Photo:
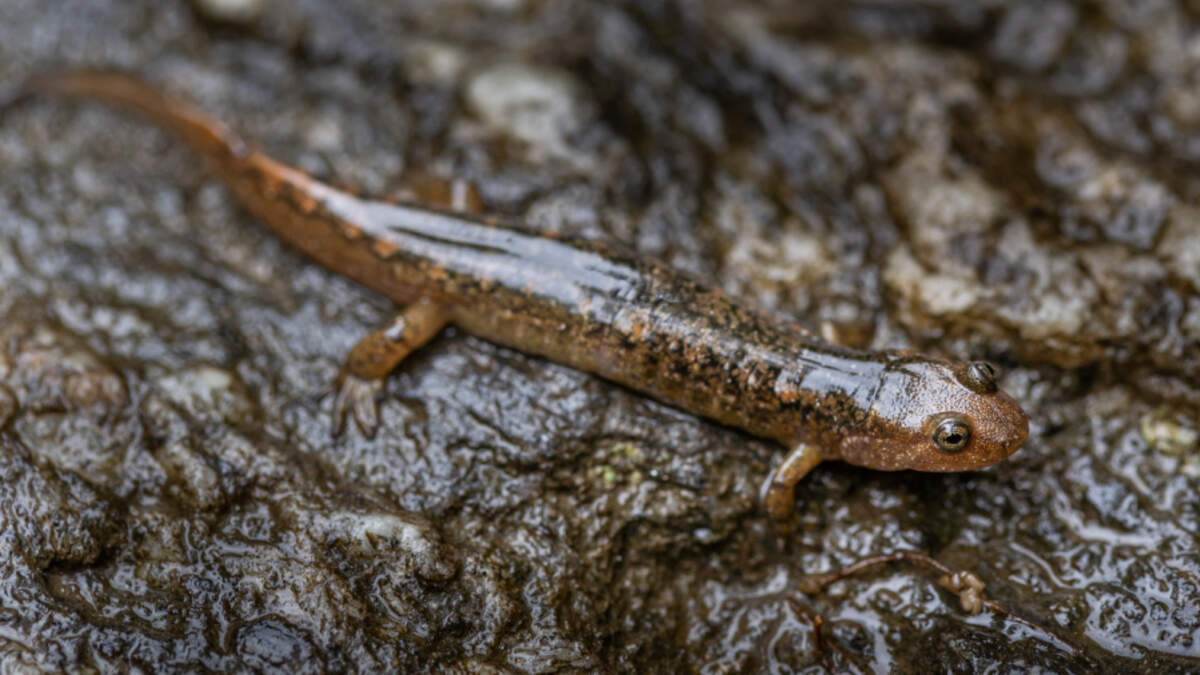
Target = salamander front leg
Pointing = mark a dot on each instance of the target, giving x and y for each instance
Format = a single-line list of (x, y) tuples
[(361, 380), (778, 495)]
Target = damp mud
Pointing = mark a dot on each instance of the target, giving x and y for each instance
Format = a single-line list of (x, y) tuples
[(1014, 182)]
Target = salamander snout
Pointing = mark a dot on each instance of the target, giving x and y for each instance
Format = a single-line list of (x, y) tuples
[(937, 416), (987, 427)]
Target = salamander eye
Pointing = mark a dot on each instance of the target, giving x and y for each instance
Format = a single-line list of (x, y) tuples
[(952, 434), (980, 377)]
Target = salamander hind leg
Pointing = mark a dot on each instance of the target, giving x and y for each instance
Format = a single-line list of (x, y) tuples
[(361, 380), (778, 494)]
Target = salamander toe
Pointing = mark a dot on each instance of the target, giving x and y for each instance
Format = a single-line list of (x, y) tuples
[(358, 397)]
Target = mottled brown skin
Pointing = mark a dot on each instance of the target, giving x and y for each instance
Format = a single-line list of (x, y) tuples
[(599, 308)]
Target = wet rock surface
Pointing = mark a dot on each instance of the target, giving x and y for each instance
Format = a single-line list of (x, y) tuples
[(1009, 181)]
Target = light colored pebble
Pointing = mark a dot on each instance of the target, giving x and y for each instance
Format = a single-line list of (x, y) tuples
[(1167, 431), (434, 63), (534, 105), (207, 391)]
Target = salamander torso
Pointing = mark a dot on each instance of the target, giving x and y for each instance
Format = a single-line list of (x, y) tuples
[(599, 308)]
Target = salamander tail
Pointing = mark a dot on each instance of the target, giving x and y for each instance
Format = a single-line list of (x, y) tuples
[(209, 137)]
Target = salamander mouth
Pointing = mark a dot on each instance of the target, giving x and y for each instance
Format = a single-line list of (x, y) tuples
[(1006, 411)]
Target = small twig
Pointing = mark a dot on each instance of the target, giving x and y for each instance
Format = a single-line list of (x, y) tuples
[(822, 643), (964, 584), (1002, 611), (817, 582), (817, 622)]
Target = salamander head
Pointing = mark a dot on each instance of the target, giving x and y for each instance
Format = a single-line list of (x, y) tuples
[(937, 416)]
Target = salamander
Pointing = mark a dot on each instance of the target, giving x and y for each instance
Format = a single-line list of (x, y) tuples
[(597, 307)]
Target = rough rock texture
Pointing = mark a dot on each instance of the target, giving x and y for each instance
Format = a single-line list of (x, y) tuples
[(1014, 181)]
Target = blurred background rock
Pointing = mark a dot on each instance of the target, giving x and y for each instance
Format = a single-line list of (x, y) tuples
[(1012, 181)]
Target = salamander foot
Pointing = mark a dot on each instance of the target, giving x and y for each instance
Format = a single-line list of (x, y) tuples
[(361, 398)]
